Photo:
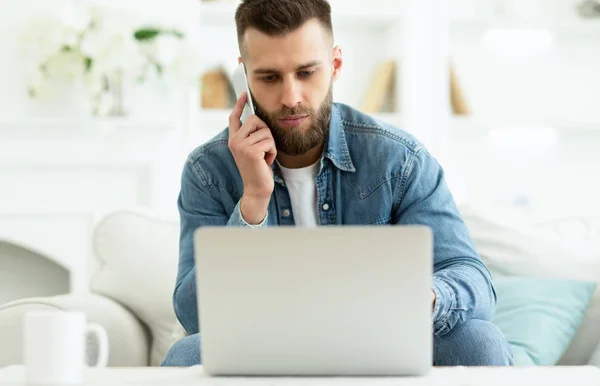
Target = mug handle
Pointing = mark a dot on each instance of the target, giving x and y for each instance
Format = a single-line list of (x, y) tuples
[(102, 338)]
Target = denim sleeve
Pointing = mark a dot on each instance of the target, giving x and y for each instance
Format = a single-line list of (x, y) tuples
[(198, 206), (461, 282)]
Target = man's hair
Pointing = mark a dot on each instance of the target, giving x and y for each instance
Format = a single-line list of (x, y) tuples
[(280, 17)]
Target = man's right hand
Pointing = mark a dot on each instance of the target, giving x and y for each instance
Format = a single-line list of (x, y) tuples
[(254, 151)]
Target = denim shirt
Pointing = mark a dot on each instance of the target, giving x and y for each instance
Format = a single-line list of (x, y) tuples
[(371, 173)]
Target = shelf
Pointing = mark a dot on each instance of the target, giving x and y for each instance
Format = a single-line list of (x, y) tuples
[(218, 119), (223, 15), (576, 27), (88, 127)]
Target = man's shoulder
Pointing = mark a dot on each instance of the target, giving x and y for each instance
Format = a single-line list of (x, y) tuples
[(362, 128), (213, 160), (217, 146)]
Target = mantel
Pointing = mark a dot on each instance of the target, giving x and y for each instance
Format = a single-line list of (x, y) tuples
[(85, 128)]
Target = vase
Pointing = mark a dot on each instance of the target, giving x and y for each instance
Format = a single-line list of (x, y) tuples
[(117, 92), (114, 99)]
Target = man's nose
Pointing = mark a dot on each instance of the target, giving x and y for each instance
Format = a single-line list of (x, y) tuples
[(291, 93)]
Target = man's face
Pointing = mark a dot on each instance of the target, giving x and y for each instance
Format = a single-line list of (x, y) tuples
[(291, 79)]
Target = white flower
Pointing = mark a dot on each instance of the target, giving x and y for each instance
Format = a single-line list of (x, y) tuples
[(45, 37), (76, 17), (113, 51), (187, 67), (167, 49), (66, 64), (115, 21), (92, 44)]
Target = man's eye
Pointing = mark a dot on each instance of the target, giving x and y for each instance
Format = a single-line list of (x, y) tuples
[(305, 74), (269, 78)]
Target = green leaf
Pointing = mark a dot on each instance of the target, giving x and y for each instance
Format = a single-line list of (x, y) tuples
[(146, 34), (175, 33), (149, 33), (88, 63)]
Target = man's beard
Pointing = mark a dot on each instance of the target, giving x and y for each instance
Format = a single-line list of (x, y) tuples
[(294, 140)]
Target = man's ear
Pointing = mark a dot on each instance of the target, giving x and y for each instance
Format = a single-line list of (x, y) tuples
[(239, 59), (337, 62)]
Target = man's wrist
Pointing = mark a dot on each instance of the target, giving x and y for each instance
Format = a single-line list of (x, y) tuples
[(253, 209)]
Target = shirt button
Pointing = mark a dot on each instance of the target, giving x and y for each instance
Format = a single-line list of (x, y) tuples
[(326, 207), (286, 213)]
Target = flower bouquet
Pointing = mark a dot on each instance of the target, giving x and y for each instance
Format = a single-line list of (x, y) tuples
[(100, 52)]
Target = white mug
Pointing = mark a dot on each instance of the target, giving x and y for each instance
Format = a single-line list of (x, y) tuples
[(55, 346)]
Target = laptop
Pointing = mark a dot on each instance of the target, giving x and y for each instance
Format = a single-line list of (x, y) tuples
[(325, 301)]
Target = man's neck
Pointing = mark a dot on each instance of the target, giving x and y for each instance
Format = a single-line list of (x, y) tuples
[(302, 160)]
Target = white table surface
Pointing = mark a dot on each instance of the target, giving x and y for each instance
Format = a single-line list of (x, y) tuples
[(451, 376)]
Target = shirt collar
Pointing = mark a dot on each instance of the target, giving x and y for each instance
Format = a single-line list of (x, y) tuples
[(337, 147)]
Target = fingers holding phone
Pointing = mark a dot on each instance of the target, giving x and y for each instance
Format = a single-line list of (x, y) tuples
[(251, 140), (263, 141), (236, 114), (254, 151)]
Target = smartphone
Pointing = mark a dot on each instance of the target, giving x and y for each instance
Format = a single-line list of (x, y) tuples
[(240, 84)]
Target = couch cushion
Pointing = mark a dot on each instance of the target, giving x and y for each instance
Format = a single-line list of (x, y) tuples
[(137, 255), (519, 242), (539, 316)]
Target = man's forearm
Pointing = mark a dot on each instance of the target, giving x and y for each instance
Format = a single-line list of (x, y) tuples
[(184, 297), (185, 303)]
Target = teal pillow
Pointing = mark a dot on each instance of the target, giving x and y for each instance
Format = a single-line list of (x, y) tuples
[(539, 316)]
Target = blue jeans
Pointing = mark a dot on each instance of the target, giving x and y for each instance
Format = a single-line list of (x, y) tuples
[(474, 343)]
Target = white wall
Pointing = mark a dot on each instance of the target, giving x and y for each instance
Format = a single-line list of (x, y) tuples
[(561, 84), (557, 89)]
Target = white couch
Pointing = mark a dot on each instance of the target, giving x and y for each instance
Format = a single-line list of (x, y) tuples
[(137, 256), (131, 291)]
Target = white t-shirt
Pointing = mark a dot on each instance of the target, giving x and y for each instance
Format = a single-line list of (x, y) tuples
[(302, 186)]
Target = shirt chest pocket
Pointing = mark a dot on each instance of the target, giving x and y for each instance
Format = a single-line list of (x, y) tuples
[(369, 202)]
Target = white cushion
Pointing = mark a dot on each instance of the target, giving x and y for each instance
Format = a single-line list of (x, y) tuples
[(138, 257), (519, 242)]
